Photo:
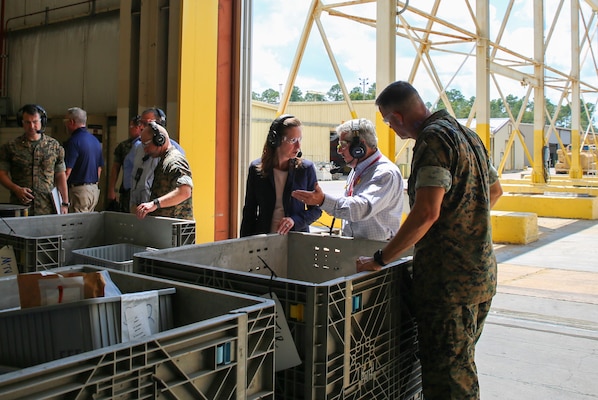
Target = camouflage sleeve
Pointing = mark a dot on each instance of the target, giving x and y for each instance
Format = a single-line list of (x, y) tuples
[(184, 173), (59, 166), (433, 176), (433, 159), (492, 173), (184, 180)]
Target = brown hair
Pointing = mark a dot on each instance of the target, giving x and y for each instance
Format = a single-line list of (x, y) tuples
[(269, 155)]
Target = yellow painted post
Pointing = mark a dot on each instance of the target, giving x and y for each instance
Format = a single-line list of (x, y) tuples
[(197, 106)]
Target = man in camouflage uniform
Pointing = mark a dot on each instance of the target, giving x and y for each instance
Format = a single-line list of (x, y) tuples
[(120, 154), (33, 164), (172, 185), (451, 190)]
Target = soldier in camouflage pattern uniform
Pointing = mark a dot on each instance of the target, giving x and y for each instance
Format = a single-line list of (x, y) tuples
[(32, 164), (120, 154), (451, 190), (172, 186)]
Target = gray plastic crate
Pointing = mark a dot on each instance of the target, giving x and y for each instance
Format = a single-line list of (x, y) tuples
[(220, 346), (347, 326), (47, 241), (117, 256), (37, 335)]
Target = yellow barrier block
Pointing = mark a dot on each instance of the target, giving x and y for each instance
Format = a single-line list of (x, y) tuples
[(326, 219), (514, 227), (554, 205)]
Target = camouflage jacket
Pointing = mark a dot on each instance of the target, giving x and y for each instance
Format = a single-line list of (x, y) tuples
[(171, 172), (454, 262), (33, 165)]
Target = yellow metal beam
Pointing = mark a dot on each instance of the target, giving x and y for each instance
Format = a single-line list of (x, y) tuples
[(197, 91), (385, 68)]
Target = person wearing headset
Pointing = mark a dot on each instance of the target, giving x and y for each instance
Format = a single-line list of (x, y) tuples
[(372, 205), (33, 164), (172, 185), (269, 207), (139, 167)]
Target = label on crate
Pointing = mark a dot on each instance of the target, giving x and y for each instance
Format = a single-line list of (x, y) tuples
[(140, 315), (286, 354), (9, 262)]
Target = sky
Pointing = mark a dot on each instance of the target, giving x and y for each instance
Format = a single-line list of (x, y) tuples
[(277, 26)]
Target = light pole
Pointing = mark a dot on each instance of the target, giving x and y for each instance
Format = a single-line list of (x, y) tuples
[(364, 81)]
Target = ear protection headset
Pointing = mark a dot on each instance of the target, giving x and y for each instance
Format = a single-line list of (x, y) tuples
[(161, 117), (158, 137), (32, 108), (275, 134), (356, 149)]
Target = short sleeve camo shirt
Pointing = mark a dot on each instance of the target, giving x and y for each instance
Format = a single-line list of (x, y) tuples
[(33, 165), (171, 172), (454, 262)]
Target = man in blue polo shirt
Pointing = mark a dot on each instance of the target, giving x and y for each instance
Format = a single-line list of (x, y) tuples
[(84, 162)]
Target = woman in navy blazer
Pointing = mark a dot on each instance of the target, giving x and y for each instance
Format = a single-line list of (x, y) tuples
[(269, 207)]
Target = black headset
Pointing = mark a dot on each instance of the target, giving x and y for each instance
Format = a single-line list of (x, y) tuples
[(32, 109), (158, 113), (158, 137), (161, 116), (274, 136), (356, 149)]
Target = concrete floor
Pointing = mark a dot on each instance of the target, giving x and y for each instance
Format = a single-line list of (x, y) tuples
[(541, 340)]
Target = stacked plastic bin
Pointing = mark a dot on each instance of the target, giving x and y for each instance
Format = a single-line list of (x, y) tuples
[(211, 345), (355, 338), (44, 242)]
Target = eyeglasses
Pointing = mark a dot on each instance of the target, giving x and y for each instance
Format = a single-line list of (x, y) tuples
[(342, 145), (145, 122), (145, 144), (292, 140)]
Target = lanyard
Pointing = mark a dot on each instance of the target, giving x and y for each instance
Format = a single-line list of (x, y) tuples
[(357, 179)]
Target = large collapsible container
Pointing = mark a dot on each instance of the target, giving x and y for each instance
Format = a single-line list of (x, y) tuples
[(117, 256), (47, 241), (347, 326), (216, 345)]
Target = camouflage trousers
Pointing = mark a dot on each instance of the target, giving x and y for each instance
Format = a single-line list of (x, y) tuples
[(447, 339)]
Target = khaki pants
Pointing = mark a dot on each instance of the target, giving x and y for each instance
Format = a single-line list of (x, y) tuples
[(84, 198)]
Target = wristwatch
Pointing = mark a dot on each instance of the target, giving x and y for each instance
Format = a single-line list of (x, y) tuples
[(378, 258), (157, 202), (66, 204)]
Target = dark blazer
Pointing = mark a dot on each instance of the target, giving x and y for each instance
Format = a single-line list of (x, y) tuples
[(260, 198)]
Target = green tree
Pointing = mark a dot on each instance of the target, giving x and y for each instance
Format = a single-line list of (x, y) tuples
[(497, 109), (371, 93), (335, 93), (270, 96), (356, 93), (461, 106), (296, 94), (255, 96), (313, 96)]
